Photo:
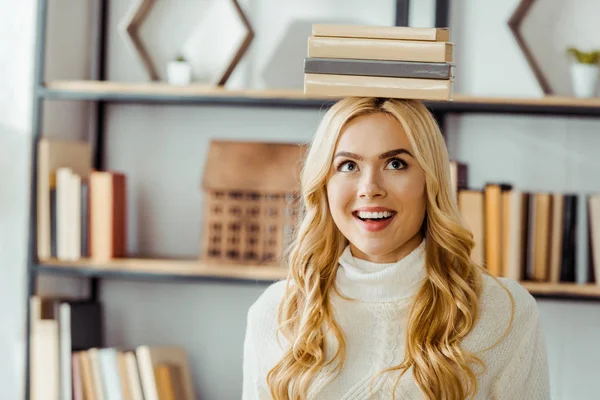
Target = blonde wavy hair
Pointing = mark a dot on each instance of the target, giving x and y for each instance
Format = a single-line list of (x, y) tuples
[(442, 313)]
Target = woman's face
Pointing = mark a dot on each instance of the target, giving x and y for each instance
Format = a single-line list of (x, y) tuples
[(376, 189)]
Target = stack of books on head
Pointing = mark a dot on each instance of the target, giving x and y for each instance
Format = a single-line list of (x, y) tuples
[(379, 61)]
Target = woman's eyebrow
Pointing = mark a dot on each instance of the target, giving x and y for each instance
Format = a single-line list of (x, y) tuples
[(387, 154), (348, 154), (395, 152)]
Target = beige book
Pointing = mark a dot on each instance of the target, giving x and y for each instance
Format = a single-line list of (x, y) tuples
[(471, 209), (44, 353), (556, 221), (87, 376), (108, 219), (377, 86), (379, 49), (594, 216), (150, 356), (53, 154), (493, 229), (165, 385), (515, 240), (133, 376), (382, 32), (123, 376), (505, 230), (541, 242), (96, 374)]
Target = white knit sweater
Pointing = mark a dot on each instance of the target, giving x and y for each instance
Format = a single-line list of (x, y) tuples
[(375, 327)]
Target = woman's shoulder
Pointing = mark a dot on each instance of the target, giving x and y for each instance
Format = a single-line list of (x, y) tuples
[(262, 324), (495, 297), (264, 309), (496, 308)]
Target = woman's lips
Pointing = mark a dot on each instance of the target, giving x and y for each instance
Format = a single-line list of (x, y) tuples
[(374, 225)]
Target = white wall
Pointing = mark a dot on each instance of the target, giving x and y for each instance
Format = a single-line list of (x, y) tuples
[(162, 149), (16, 73)]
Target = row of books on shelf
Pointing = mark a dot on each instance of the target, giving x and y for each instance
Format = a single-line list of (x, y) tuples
[(533, 235), (393, 61), (81, 212), (68, 360)]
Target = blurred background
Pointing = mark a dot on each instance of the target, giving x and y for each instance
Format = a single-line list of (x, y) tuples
[(526, 113)]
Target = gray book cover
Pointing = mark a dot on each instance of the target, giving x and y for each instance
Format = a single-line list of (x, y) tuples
[(394, 69), (581, 252)]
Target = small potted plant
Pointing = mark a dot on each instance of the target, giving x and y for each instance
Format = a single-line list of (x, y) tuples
[(584, 71), (179, 71)]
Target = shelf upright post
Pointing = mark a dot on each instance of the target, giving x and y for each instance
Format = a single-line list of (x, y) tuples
[(442, 19), (98, 72), (36, 131), (402, 8)]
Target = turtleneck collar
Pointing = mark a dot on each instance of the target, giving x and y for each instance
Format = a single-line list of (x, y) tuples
[(375, 282)]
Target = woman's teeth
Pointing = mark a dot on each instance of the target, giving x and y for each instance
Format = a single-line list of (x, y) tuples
[(374, 215)]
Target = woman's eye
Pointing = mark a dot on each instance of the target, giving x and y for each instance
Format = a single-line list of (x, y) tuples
[(347, 166), (396, 163)]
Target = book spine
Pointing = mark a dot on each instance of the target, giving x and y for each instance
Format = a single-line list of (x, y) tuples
[(85, 218), (379, 49), (397, 69), (53, 226), (382, 32), (582, 242), (347, 85), (567, 272)]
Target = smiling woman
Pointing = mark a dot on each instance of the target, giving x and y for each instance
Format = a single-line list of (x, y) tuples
[(382, 298), (376, 190)]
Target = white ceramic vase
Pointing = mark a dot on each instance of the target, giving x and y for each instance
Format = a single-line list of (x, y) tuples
[(179, 73), (585, 79)]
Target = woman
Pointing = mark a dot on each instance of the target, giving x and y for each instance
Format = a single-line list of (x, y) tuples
[(382, 300)]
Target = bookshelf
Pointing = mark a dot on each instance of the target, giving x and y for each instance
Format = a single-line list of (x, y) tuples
[(563, 290), (162, 93), (164, 270), (103, 92), (189, 271)]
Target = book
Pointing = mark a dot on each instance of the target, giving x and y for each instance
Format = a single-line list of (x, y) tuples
[(594, 212), (108, 214), (149, 357), (459, 175), (383, 32), (44, 382), (379, 49), (398, 69), (472, 211), (493, 228), (567, 271), (133, 376), (347, 85), (556, 237), (515, 238), (582, 243), (52, 155), (541, 234)]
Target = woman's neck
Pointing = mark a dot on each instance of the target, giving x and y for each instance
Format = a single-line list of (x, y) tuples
[(393, 256)]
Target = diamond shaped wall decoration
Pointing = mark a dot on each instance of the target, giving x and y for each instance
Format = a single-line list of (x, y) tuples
[(218, 43), (514, 23), (213, 50), (129, 32)]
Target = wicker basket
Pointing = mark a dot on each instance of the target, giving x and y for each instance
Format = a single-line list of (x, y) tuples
[(250, 201)]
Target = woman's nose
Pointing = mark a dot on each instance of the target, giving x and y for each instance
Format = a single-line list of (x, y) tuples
[(370, 187)]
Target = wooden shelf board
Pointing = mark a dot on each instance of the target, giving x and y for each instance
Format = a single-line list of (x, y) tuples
[(162, 269), (167, 89), (190, 270), (562, 289), (199, 93)]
